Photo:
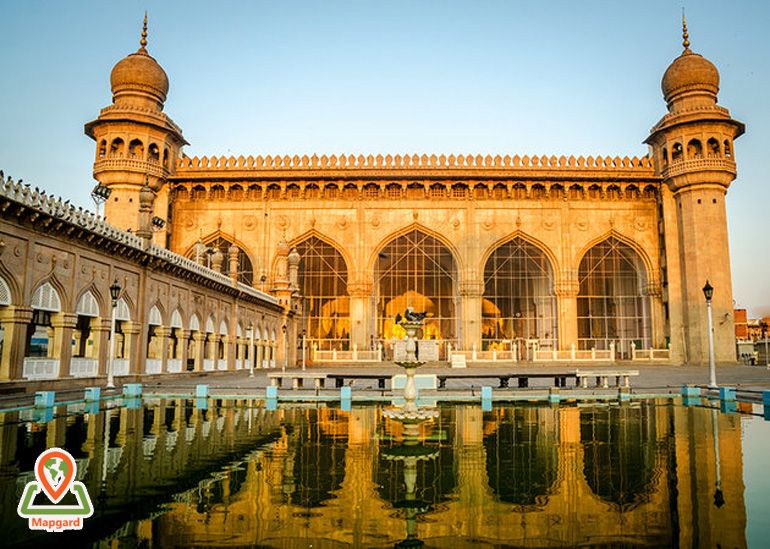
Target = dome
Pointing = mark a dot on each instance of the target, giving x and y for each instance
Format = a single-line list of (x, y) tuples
[(139, 72), (690, 72)]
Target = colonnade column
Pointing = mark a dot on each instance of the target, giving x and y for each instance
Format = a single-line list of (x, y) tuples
[(100, 327), (199, 346), (63, 324), (360, 305), (181, 347), (470, 312), (132, 350), (163, 333), (566, 298), (657, 315), (15, 322), (228, 343)]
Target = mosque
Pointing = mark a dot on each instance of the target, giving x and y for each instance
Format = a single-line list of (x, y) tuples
[(524, 254)]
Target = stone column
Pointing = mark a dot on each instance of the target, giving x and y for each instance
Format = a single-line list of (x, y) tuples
[(181, 350), (657, 315), (100, 327), (229, 348), (213, 348), (232, 255), (470, 303), (199, 347), (360, 301), (63, 324), (132, 349), (163, 333), (15, 322), (566, 291)]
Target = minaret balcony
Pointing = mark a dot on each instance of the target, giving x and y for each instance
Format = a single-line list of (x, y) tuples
[(680, 167), (118, 163)]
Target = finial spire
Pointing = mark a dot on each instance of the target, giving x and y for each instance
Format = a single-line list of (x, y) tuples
[(143, 41), (685, 36)]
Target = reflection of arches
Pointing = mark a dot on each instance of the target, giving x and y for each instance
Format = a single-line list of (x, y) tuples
[(416, 269), (518, 295), (612, 305), (323, 283), (522, 456), (619, 453)]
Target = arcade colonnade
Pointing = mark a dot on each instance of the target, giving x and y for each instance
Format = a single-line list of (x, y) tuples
[(520, 290)]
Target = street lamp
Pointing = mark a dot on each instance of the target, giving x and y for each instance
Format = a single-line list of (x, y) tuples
[(303, 349), (252, 354), (708, 292), (114, 295), (285, 348), (765, 337), (99, 194)]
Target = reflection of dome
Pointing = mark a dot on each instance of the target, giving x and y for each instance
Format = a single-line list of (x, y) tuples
[(139, 74)]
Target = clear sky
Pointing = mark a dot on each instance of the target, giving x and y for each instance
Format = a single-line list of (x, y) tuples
[(507, 77)]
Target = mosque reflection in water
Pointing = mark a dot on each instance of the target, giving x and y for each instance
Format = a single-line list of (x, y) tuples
[(171, 474)]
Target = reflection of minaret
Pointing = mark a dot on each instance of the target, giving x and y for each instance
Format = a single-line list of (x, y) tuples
[(719, 498), (470, 456), (358, 485)]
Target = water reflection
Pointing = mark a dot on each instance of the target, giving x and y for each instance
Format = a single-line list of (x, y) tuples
[(172, 474)]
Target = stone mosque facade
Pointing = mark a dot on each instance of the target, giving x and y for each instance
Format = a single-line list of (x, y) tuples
[(528, 253)]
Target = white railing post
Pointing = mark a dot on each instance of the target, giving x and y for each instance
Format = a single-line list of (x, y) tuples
[(515, 351), (473, 353), (612, 351), (355, 352), (449, 352), (593, 353), (652, 349), (633, 351), (334, 355), (494, 355), (555, 354), (379, 352), (572, 351), (315, 350)]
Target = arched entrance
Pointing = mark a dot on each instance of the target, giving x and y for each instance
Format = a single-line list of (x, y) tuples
[(416, 270), (612, 305)]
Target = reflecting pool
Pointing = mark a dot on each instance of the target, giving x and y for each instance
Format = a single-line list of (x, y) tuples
[(230, 473)]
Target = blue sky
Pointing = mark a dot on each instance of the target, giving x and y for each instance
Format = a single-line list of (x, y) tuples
[(560, 77)]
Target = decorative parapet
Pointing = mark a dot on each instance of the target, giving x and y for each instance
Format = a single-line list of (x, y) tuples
[(148, 167), (447, 163), (44, 204)]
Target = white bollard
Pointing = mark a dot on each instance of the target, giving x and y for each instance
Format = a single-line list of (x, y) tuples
[(473, 353)]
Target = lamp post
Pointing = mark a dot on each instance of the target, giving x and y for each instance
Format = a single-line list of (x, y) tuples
[(764, 337), (303, 350), (99, 194), (708, 292), (252, 354), (114, 295), (285, 348)]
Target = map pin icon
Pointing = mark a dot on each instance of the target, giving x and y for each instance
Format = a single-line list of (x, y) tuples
[(55, 469)]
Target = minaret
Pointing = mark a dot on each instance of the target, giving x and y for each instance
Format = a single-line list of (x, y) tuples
[(693, 150), (135, 140)]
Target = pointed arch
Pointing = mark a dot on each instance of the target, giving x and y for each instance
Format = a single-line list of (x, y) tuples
[(419, 270), (5, 292), (210, 324), (223, 327), (195, 323), (176, 319), (649, 269), (294, 242), (372, 261), (222, 240), (542, 246), (11, 285), (122, 310), (323, 281), (88, 304), (47, 297), (154, 316)]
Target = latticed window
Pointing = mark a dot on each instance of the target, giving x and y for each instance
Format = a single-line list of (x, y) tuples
[(236, 192), (393, 191), (245, 269), (217, 192), (416, 270), (350, 192), (331, 191), (437, 191), (518, 301), (274, 192), (293, 191), (459, 191), (611, 301), (312, 191), (371, 191), (254, 192), (323, 281)]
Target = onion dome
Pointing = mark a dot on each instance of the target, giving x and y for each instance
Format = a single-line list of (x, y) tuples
[(294, 258), (139, 77), (690, 72)]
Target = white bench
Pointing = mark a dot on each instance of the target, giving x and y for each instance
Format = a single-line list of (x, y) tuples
[(297, 379), (602, 377)]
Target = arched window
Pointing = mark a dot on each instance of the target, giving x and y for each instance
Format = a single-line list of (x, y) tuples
[(293, 191), (694, 149), (102, 151), (712, 146), (136, 149), (165, 158), (180, 193), (459, 190), (519, 191), (350, 192), (437, 190), (676, 152), (665, 156), (217, 192), (116, 147), (153, 153), (199, 192), (45, 301), (371, 190), (518, 301), (236, 192), (538, 191), (575, 192), (254, 192), (312, 191), (611, 303), (83, 344), (323, 282), (499, 192), (393, 191), (274, 191), (416, 270), (728, 149), (245, 268)]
